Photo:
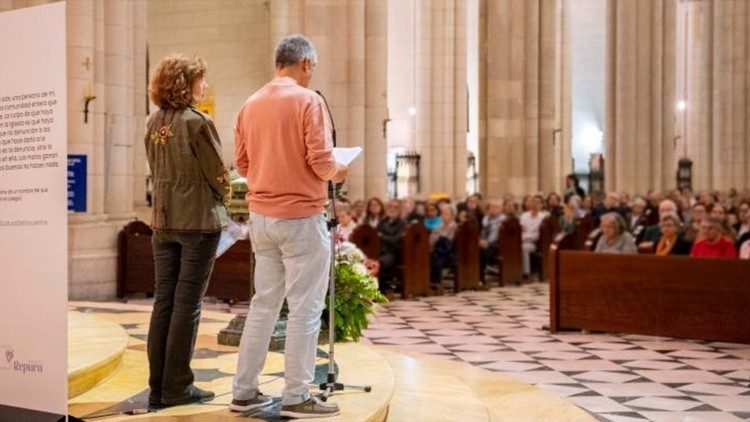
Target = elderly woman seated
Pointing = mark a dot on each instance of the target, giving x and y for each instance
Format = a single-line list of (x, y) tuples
[(672, 242), (615, 238)]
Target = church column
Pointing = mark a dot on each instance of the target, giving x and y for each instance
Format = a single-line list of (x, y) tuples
[(376, 99), (521, 42), (640, 95)]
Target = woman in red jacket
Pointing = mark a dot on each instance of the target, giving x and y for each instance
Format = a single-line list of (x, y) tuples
[(714, 244)]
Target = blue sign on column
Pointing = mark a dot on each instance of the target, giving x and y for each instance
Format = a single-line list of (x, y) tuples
[(77, 183)]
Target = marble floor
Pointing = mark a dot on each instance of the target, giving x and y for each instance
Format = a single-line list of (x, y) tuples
[(614, 377)]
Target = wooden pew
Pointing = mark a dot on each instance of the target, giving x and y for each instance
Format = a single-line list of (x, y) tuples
[(670, 296), (547, 231), (415, 253), (583, 228), (509, 245), (366, 238), (231, 278), (466, 242)]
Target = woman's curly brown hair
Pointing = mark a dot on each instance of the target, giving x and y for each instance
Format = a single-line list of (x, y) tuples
[(172, 81)]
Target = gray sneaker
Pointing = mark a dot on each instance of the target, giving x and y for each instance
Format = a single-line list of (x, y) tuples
[(312, 408), (256, 402)]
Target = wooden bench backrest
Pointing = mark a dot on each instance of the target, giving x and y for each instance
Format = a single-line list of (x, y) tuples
[(583, 228), (367, 240), (415, 250), (671, 296), (466, 243), (547, 231), (509, 245)]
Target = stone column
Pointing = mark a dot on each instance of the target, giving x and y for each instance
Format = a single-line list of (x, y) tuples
[(521, 42), (641, 101), (441, 91), (376, 97)]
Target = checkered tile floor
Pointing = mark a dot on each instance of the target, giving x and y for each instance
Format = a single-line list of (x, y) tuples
[(615, 377)]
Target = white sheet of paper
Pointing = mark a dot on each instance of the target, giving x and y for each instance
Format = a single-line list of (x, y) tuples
[(346, 155), (230, 236)]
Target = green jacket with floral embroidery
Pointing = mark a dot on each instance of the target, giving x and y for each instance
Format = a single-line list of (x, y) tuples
[(190, 182)]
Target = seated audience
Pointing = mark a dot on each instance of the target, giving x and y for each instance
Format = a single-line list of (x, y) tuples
[(511, 208), (652, 233), (530, 221), (587, 204), (432, 219), (443, 254), (571, 214), (358, 210), (672, 242), (472, 207), (374, 212), (615, 238), (491, 224), (719, 212), (390, 230), (611, 204), (346, 222), (418, 213), (713, 244), (553, 205), (636, 217), (693, 230)]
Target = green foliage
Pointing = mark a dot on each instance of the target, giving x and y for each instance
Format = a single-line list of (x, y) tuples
[(356, 293)]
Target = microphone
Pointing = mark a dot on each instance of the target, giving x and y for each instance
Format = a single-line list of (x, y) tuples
[(330, 116)]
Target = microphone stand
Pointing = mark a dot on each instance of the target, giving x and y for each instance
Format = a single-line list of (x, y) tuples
[(331, 385)]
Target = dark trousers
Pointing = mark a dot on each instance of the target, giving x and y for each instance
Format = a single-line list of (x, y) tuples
[(488, 256), (183, 263), (387, 273), (443, 256)]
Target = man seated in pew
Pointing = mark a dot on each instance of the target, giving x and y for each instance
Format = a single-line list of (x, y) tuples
[(713, 244), (692, 231), (390, 229), (672, 242), (653, 233), (530, 221), (636, 217), (611, 204), (491, 224), (442, 252), (346, 222), (615, 238)]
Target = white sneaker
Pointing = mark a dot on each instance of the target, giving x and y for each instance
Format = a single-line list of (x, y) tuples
[(312, 408)]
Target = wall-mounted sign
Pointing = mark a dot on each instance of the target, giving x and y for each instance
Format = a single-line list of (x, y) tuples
[(77, 183)]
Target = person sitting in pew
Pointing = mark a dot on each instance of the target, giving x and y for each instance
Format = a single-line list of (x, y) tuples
[(615, 238), (743, 219), (442, 252), (637, 211), (374, 212), (653, 233), (719, 212), (390, 230), (346, 222), (531, 221), (571, 214), (491, 224), (713, 244), (672, 242), (432, 219), (693, 231), (745, 250)]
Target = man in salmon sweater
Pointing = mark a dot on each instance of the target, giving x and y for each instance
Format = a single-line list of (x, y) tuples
[(284, 149)]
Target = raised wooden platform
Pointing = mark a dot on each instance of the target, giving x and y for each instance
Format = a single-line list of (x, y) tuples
[(95, 350)]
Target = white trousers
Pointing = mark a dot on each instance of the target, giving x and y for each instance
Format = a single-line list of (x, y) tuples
[(292, 260), (527, 250)]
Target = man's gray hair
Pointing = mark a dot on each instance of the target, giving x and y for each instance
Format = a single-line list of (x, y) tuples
[(294, 48)]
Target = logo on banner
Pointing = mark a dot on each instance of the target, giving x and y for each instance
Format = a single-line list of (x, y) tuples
[(9, 362)]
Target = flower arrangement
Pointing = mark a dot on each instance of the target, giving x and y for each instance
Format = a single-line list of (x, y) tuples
[(356, 293)]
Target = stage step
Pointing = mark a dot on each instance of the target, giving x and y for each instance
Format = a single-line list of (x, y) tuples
[(95, 350), (436, 389)]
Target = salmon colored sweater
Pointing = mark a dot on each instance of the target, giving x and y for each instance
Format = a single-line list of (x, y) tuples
[(284, 149)]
